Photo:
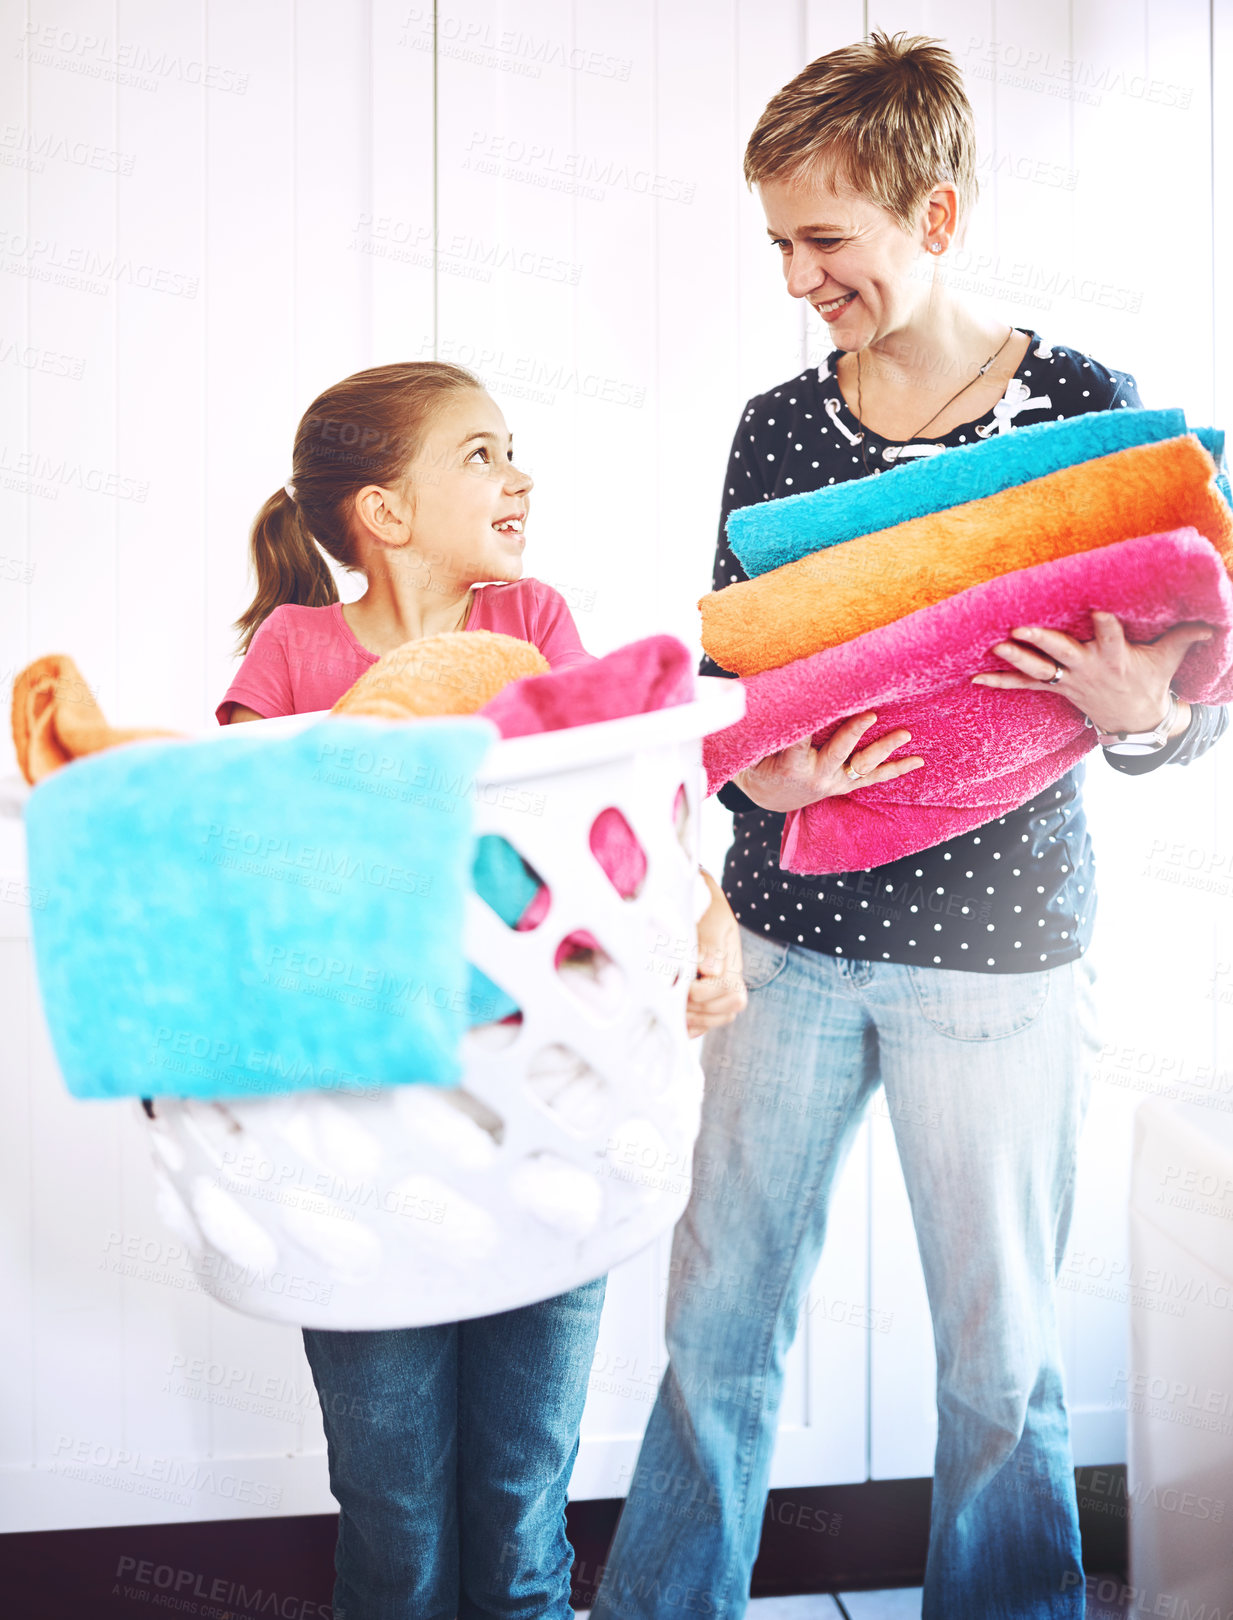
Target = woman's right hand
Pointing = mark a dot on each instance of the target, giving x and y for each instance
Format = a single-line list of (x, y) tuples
[(802, 774)]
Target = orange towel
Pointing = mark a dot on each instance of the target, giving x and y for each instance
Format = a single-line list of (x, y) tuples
[(56, 718), (846, 590), (453, 673)]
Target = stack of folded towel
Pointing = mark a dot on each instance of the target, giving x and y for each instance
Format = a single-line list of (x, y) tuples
[(887, 594)]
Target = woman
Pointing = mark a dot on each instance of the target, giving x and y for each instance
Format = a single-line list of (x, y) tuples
[(956, 977)]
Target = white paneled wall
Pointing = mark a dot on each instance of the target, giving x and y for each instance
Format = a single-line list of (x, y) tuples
[(211, 211)]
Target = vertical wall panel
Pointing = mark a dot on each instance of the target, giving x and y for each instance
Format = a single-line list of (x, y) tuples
[(160, 376), (258, 182), (392, 227), (591, 399), (1140, 107), (967, 28), (161, 571), (611, 523), (770, 50), (333, 174), (75, 273), (20, 357), (17, 1184), (248, 220)]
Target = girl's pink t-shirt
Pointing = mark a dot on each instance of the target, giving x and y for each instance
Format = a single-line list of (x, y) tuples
[(303, 658)]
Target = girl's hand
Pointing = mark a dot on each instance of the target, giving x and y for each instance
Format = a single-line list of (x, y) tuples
[(1120, 685), (802, 774), (717, 994)]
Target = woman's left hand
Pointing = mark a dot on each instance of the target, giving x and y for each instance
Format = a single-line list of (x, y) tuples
[(718, 993), (1120, 685)]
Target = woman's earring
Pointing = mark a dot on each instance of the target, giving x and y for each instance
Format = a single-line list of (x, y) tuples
[(936, 247)]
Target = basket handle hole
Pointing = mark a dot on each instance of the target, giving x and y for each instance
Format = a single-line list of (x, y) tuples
[(508, 882), (566, 1083), (587, 971), (615, 846), (495, 1017), (466, 1102)]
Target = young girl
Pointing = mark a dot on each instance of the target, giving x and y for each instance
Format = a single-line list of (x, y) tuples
[(450, 1447)]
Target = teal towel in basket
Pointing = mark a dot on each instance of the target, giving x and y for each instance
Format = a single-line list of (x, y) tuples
[(772, 533), (500, 877), (254, 914)]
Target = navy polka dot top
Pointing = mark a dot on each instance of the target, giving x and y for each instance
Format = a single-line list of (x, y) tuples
[(1015, 895)]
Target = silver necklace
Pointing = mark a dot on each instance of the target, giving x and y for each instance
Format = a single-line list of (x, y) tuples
[(980, 373)]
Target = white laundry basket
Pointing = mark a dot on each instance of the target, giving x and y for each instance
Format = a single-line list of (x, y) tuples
[(567, 1146)]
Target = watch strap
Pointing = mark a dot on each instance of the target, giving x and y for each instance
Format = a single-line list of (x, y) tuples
[(1140, 741)]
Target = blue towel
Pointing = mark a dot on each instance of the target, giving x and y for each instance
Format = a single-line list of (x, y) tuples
[(256, 915), (503, 879), (776, 532), (1212, 440)]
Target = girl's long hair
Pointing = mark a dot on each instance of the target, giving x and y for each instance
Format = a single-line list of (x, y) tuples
[(365, 430)]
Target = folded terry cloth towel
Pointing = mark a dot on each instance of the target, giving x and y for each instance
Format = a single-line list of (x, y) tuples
[(846, 590), (772, 533), (655, 673), (456, 672), (986, 750), (256, 914)]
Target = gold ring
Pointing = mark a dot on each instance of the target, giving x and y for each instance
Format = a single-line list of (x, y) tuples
[(1058, 672), (851, 772)]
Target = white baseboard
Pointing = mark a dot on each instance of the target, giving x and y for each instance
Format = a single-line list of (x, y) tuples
[(132, 1488)]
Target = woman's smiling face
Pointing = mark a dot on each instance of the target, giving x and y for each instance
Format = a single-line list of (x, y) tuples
[(849, 258)]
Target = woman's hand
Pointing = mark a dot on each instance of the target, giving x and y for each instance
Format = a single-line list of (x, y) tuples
[(717, 994), (802, 774), (1120, 685)]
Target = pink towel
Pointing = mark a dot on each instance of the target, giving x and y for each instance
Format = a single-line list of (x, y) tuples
[(986, 751), (656, 673)]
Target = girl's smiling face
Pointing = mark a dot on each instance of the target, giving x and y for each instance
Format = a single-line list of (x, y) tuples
[(461, 506), (850, 258)]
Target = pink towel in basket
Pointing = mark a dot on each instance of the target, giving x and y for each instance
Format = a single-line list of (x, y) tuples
[(986, 751), (655, 673)]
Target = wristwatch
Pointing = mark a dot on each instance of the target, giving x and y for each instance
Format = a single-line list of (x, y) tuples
[(1138, 742)]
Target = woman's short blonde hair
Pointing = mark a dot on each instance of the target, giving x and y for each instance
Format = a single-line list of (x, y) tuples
[(887, 117)]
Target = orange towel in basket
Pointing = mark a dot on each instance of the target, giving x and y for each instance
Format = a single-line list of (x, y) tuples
[(455, 672), (56, 718), (841, 592)]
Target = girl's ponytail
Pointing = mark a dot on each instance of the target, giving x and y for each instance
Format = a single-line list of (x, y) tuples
[(287, 563), (365, 430)]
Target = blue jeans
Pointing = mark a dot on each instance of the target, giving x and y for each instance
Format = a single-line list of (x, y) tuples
[(450, 1452), (1002, 1059)]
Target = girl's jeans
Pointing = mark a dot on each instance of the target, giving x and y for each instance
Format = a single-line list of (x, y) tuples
[(986, 1078), (450, 1451)]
